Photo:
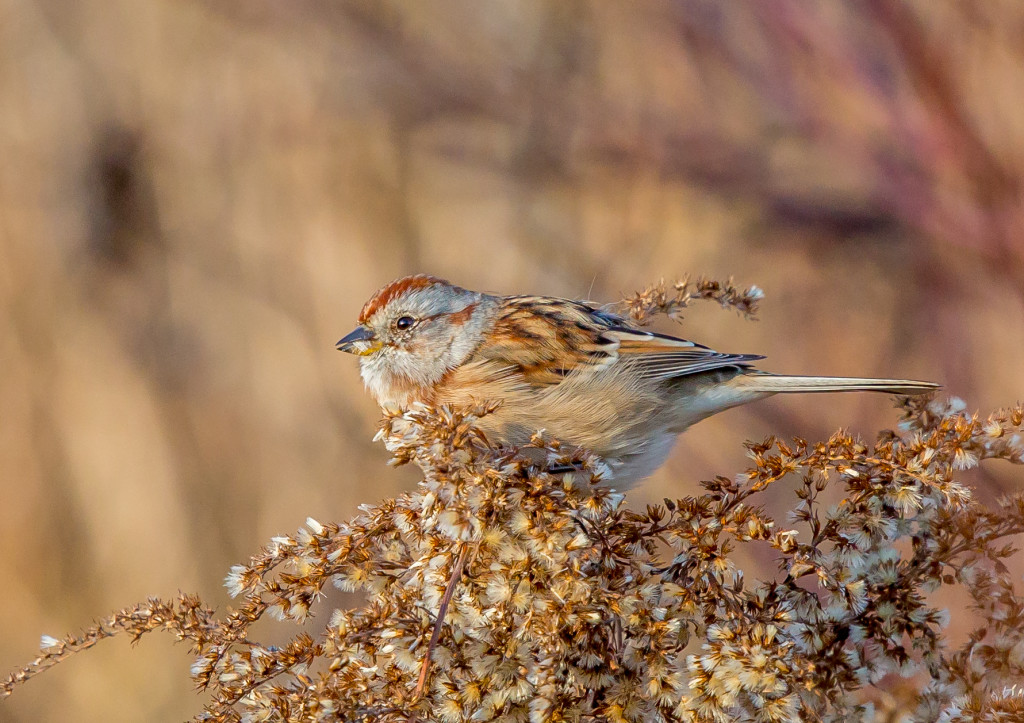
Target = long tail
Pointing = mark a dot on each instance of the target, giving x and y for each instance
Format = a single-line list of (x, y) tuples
[(780, 384)]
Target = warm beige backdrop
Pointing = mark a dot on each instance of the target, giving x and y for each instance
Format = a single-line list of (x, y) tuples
[(196, 197)]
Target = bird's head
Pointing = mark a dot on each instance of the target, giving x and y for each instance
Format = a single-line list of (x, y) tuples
[(414, 331)]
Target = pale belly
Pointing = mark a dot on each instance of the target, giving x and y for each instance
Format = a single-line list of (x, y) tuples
[(631, 423)]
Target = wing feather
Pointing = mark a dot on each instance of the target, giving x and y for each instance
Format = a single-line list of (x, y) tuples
[(546, 339), (664, 357)]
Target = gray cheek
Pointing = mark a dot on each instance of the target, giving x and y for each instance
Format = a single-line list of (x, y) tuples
[(433, 345)]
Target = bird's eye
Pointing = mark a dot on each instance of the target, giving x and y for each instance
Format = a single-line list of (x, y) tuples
[(404, 322)]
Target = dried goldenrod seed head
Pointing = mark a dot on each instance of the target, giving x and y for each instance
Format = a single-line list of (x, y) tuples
[(499, 591)]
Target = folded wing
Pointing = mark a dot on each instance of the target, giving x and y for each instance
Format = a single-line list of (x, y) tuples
[(665, 357), (546, 339)]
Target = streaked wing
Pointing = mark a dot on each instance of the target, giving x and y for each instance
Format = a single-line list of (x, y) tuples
[(545, 339), (664, 357)]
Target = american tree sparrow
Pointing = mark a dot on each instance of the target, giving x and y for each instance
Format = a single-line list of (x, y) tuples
[(588, 377)]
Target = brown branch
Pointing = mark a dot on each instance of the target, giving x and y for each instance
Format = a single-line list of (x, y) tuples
[(441, 612)]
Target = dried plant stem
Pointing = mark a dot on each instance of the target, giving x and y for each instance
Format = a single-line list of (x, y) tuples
[(660, 299), (186, 617), (45, 662), (643, 615), (441, 612)]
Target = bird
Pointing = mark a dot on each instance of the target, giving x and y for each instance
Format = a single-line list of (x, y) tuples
[(584, 375)]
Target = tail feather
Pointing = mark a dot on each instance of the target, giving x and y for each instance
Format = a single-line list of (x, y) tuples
[(781, 384)]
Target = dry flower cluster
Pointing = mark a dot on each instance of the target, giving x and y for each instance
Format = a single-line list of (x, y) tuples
[(500, 591), (657, 299)]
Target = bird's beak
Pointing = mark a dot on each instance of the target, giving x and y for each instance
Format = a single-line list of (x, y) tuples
[(361, 341)]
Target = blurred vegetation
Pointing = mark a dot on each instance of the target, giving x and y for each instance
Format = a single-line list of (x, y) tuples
[(196, 198)]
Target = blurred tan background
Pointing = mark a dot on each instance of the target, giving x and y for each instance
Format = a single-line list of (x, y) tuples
[(196, 198)]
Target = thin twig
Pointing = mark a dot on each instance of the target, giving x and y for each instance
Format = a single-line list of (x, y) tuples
[(441, 612)]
